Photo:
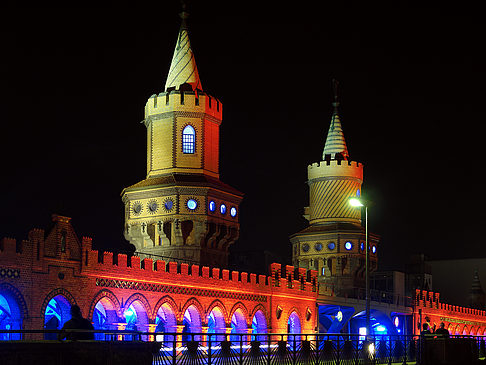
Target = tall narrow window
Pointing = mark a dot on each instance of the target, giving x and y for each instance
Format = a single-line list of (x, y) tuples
[(188, 140)]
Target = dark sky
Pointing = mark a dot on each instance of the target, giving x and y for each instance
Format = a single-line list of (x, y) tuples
[(412, 88)]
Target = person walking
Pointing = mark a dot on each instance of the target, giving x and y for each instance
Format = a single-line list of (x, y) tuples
[(77, 322)]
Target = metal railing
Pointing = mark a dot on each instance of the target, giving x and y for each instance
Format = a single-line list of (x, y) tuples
[(259, 349)]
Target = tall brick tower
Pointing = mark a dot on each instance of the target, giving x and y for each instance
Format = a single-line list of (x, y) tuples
[(334, 242), (182, 210)]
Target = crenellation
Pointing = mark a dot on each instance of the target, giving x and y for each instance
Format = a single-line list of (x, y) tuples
[(122, 260), (235, 276), (135, 262), (172, 267), (107, 258), (244, 277), (195, 270), (8, 245), (216, 272), (225, 274), (205, 272), (159, 266), (147, 265)]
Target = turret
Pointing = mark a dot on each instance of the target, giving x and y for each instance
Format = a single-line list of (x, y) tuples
[(182, 211), (334, 242)]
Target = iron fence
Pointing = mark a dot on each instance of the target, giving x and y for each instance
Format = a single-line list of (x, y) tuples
[(263, 349)]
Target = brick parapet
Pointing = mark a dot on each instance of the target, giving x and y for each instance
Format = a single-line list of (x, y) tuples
[(297, 282)]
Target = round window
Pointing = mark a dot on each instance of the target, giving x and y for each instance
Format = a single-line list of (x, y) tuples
[(348, 245), (361, 246), (305, 247), (222, 209), (318, 246), (191, 204), (373, 249), (331, 246), (168, 204), (212, 206)]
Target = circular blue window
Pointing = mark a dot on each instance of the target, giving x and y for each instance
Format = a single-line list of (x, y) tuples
[(373, 249), (222, 209), (212, 206), (233, 211), (361, 246), (305, 247), (318, 246), (191, 204), (331, 246), (348, 245)]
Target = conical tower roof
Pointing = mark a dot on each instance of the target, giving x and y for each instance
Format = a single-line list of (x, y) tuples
[(183, 69), (335, 142), (476, 294)]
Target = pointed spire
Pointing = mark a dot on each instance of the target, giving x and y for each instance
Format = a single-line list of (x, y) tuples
[(183, 69), (476, 293), (335, 143)]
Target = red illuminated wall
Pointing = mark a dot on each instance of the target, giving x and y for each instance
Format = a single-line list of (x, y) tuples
[(458, 320), (46, 265)]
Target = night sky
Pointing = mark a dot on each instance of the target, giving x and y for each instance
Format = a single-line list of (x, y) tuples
[(412, 91)]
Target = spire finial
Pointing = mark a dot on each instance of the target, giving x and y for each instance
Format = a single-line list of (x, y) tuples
[(183, 68), (335, 147), (335, 104)]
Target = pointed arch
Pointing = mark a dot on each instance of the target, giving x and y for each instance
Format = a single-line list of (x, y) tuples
[(54, 293), (296, 311), (104, 293), (240, 305), (140, 298), (17, 295), (218, 304), (192, 301), (260, 307), (170, 302)]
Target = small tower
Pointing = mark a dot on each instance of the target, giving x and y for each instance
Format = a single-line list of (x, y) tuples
[(477, 298), (334, 242), (182, 211)]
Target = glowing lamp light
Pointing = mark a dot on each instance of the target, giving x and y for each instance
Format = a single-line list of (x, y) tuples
[(362, 331), (373, 249), (348, 245), (380, 328), (396, 322), (371, 348), (212, 206), (339, 316), (128, 313), (355, 202), (233, 211)]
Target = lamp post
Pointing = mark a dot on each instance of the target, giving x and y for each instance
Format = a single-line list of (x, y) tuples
[(359, 203)]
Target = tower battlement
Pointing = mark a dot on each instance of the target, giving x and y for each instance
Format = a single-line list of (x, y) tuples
[(184, 101), (335, 168)]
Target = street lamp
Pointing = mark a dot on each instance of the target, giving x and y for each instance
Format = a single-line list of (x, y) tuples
[(359, 203)]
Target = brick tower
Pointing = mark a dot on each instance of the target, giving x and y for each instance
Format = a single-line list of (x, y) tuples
[(182, 210), (334, 242)]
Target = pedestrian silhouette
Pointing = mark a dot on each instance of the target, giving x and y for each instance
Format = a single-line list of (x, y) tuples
[(442, 332), (77, 322)]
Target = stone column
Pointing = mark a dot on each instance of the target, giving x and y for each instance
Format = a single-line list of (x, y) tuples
[(120, 327), (204, 337), (151, 328), (179, 328)]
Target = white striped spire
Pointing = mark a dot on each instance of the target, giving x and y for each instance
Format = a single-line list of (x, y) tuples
[(183, 67), (335, 142)]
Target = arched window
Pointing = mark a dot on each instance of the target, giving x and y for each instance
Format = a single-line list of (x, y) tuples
[(188, 140)]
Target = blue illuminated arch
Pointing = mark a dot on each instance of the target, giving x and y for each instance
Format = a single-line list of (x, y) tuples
[(259, 325), (188, 139), (10, 316), (56, 313)]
